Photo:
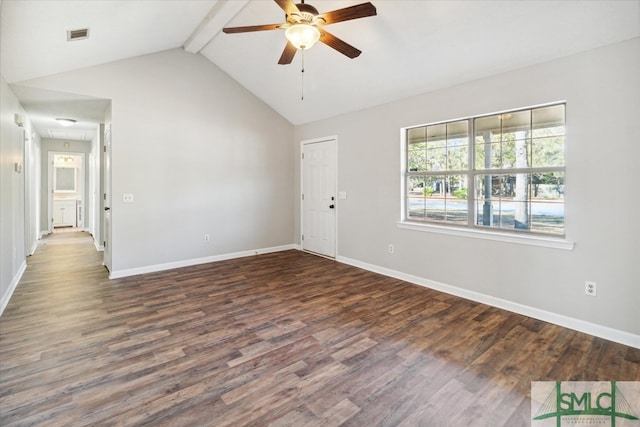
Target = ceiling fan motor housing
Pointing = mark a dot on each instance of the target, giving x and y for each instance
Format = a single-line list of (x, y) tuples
[(306, 15)]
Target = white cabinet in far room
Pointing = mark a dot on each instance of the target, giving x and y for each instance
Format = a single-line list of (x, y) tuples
[(64, 213)]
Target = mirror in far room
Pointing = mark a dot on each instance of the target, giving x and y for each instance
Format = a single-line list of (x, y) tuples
[(65, 179)]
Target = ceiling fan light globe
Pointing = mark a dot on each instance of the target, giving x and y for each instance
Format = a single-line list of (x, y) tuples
[(302, 36)]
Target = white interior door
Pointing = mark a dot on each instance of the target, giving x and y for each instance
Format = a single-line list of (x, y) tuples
[(319, 169)]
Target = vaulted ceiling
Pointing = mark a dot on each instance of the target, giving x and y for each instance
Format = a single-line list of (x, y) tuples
[(409, 47)]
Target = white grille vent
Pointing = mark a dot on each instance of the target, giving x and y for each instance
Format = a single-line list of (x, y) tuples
[(80, 34)]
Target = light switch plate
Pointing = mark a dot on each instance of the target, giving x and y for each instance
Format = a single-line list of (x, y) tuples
[(342, 195)]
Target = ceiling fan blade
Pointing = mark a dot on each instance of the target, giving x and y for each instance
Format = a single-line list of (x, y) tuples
[(352, 12), (339, 45), (232, 30), (288, 6), (288, 54)]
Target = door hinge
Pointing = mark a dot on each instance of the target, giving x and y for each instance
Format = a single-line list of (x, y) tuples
[(104, 148), (302, 196), (104, 243), (303, 237), (104, 196), (302, 156)]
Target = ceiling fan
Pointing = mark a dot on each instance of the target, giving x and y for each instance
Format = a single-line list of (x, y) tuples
[(304, 27)]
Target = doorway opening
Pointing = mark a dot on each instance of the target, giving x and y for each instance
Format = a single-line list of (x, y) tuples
[(67, 204)]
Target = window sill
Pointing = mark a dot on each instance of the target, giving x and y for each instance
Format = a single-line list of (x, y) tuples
[(532, 240)]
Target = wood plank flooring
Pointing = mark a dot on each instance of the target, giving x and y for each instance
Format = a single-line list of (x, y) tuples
[(283, 339)]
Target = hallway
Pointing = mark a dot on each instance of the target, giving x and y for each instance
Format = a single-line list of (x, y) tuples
[(45, 324)]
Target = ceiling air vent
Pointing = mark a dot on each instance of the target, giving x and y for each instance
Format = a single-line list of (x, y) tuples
[(80, 34)]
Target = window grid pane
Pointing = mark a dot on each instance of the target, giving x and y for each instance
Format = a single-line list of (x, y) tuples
[(517, 172)]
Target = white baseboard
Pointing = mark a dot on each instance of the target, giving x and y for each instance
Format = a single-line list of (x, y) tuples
[(12, 287), (116, 274), (605, 332)]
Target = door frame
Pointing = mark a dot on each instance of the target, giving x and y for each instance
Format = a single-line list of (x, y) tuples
[(82, 178), (106, 205), (31, 224), (304, 142)]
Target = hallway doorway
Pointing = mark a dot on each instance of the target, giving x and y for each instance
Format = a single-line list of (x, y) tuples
[(66, 190)]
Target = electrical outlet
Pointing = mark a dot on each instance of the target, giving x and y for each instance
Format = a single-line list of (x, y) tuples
[(390, 249), (127, 198), (590, 288), (206, 238)]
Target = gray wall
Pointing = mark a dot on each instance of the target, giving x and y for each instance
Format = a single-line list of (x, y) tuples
[(199, 153), (602, 91), (12, 193)]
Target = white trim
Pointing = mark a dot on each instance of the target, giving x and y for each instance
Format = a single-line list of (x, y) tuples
[(521, 239), (12, 287), (476, 116), (316, 140), (196, 261), (51, 185), (601, 331), (96, 244)]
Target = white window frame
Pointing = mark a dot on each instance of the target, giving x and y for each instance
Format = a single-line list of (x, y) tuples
[(471, 230)]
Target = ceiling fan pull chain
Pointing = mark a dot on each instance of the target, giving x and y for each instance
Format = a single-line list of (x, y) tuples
[(302, 77)]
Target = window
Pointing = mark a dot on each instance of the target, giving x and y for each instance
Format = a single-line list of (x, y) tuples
[(502, 172)]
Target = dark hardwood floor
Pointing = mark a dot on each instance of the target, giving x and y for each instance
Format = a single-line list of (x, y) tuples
[(284, 339)]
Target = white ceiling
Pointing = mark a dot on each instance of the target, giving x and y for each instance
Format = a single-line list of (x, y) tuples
[(410, 47), (45, 106)]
